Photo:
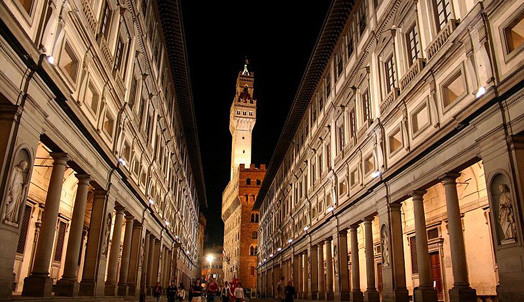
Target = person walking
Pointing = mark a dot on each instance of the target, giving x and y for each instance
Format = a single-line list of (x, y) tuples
[(226, 292), (280, 294), (239, 293), (212, 290), (181, 293), (171, 292), (289, 292), (157, 291), (197, 292)]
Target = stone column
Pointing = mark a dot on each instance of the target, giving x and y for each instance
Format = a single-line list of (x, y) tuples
[(314, 272), (342, 285), (371, 294), (305, 276), (92, 279), (356, 294), (39, 284), (68, 285), (145, 264), (393, 266), (300, 287), (296, 272), (321, 275), (157, 258), (150, 262), (461, 290), (114, 254), (425, 291), (329, 270), (134, 260), (126, 254)]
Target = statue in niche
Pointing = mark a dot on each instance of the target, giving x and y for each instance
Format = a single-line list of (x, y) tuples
[(385, 246), (16, 188), (105, 242), (335, 259), (506, 215)]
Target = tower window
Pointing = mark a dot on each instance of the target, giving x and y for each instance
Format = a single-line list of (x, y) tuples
[(243, 151), (248, 181), (242, 137), (244, 113), (251, 113), (238, 111)]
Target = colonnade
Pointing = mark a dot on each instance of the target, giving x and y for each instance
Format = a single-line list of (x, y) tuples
[(122, 257), (329, 268)]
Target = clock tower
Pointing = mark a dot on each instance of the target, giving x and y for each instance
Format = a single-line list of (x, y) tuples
[(242, 119)]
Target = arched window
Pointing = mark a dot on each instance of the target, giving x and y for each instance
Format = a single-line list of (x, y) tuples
[(253, 250), (258, 182), (252, 270), (254, 235), (254, 217), (248, 181)]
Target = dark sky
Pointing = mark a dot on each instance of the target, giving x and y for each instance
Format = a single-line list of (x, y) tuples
[(278, 38)]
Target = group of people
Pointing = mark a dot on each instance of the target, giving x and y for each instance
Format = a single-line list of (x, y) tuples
[(285, 293), (229, 292), (172, 292)]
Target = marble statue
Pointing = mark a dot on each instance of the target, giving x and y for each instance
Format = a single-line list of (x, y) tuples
[(506, 216), (385, 246), (15, 192)]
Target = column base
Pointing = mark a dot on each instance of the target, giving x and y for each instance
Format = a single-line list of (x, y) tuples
[(38, 286), (88, 288), (314, 296), (342, 296), (122, 289), (321, 296), (425, 295), (397, 295), (371, 296), (110, 290), (330, 296), (132, 290), (67, 288), (356, 296), (462, 294)]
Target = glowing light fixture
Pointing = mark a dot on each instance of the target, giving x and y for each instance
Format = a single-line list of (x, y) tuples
[(290, 240), (306, 228), (480, 92), (330, 209), (122, 161), (151, 201), (51, 60), (375, 174), (279, 249)]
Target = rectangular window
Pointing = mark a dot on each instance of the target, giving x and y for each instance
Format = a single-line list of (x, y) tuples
[(369, 164), (395, 140), (514, 33), (59, 248), (454, 89), (328, 155), (352, 123), (69, 62), (27, 5), (442, 9), (23, 230), (413, 253), (340, 64), (328, 85), (320, 163), (132, 92), (109, 124), (105, 23), (92, 98), (362, 17), (366, 106), (420, 118), (341, 141), (413, 44), (349, 45), (389, 67), (119, 55)]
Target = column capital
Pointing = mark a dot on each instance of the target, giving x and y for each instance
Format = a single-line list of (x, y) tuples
[(83, 179), (449, 178), (59, 158), (369, 219), (119, 209), (418, 194), (100, 193), (353, 227), (343, 233), (129, 217)]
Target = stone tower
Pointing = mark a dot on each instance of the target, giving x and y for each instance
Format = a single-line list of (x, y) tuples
[(242, 119)]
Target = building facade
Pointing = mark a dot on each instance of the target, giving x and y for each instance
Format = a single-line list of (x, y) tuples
[(101, 180), (238, 198), (400, 169), (212, 266)]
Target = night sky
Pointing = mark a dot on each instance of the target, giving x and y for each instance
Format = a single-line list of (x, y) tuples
[(278, 38)]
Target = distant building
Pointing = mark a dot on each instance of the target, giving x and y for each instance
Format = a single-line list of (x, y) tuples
[(238, 198), (400, 172), (212, 265)]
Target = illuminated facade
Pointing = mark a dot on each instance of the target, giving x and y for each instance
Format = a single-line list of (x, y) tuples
[(238, 198), (400, 169), (101, 186)]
